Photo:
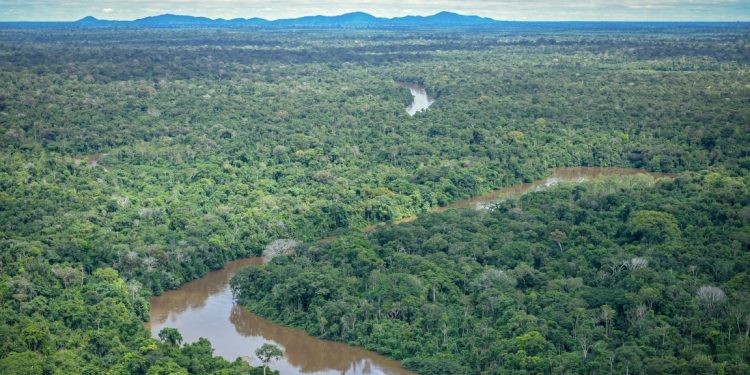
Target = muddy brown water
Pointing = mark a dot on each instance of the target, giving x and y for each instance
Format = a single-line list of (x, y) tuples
[(205, 307), (559, 175)]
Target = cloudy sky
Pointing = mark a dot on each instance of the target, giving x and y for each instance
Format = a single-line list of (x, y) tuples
[(522, 10)]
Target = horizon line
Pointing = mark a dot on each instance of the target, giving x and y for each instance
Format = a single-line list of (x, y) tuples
[(372, 15)]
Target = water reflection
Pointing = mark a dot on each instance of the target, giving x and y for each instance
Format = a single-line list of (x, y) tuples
[(205, 308), (332, 356), (194, 295)]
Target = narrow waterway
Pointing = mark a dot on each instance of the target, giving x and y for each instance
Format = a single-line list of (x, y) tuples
[(559, 175), (205, 307)]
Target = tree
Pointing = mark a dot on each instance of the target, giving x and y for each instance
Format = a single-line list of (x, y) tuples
[(67, 274), (134, 287), (558, 237), (170, 336), (635, 263), (268, 353), (710, 296), (654, 226), (607, 315)]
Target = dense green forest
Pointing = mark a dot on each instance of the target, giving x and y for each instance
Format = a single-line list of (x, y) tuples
[(135, 160), (614, 276)]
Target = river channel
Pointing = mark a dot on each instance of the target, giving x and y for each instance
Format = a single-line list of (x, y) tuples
[(205, 307)]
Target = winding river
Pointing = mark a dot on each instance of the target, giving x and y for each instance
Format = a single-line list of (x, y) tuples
[(205, 308)]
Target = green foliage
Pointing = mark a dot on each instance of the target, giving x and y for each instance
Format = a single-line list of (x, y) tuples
[(89, 326), (267, 353), (25, 363), (654, 226), (436, 366), (170, 336), (496, 295), (136, 160)]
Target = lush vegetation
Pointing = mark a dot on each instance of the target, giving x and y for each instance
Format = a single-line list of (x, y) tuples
[(56, 320), (165, 162), (134, 160), (604, 277)]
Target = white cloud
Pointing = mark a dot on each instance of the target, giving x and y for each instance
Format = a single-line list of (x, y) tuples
[(108, 10)]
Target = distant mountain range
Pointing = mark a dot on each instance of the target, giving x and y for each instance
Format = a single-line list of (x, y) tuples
[(356, 19)]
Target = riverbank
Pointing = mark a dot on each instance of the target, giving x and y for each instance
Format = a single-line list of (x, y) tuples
[(205, 307)]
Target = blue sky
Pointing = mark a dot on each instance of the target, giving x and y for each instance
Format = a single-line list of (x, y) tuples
[(563, 10)]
